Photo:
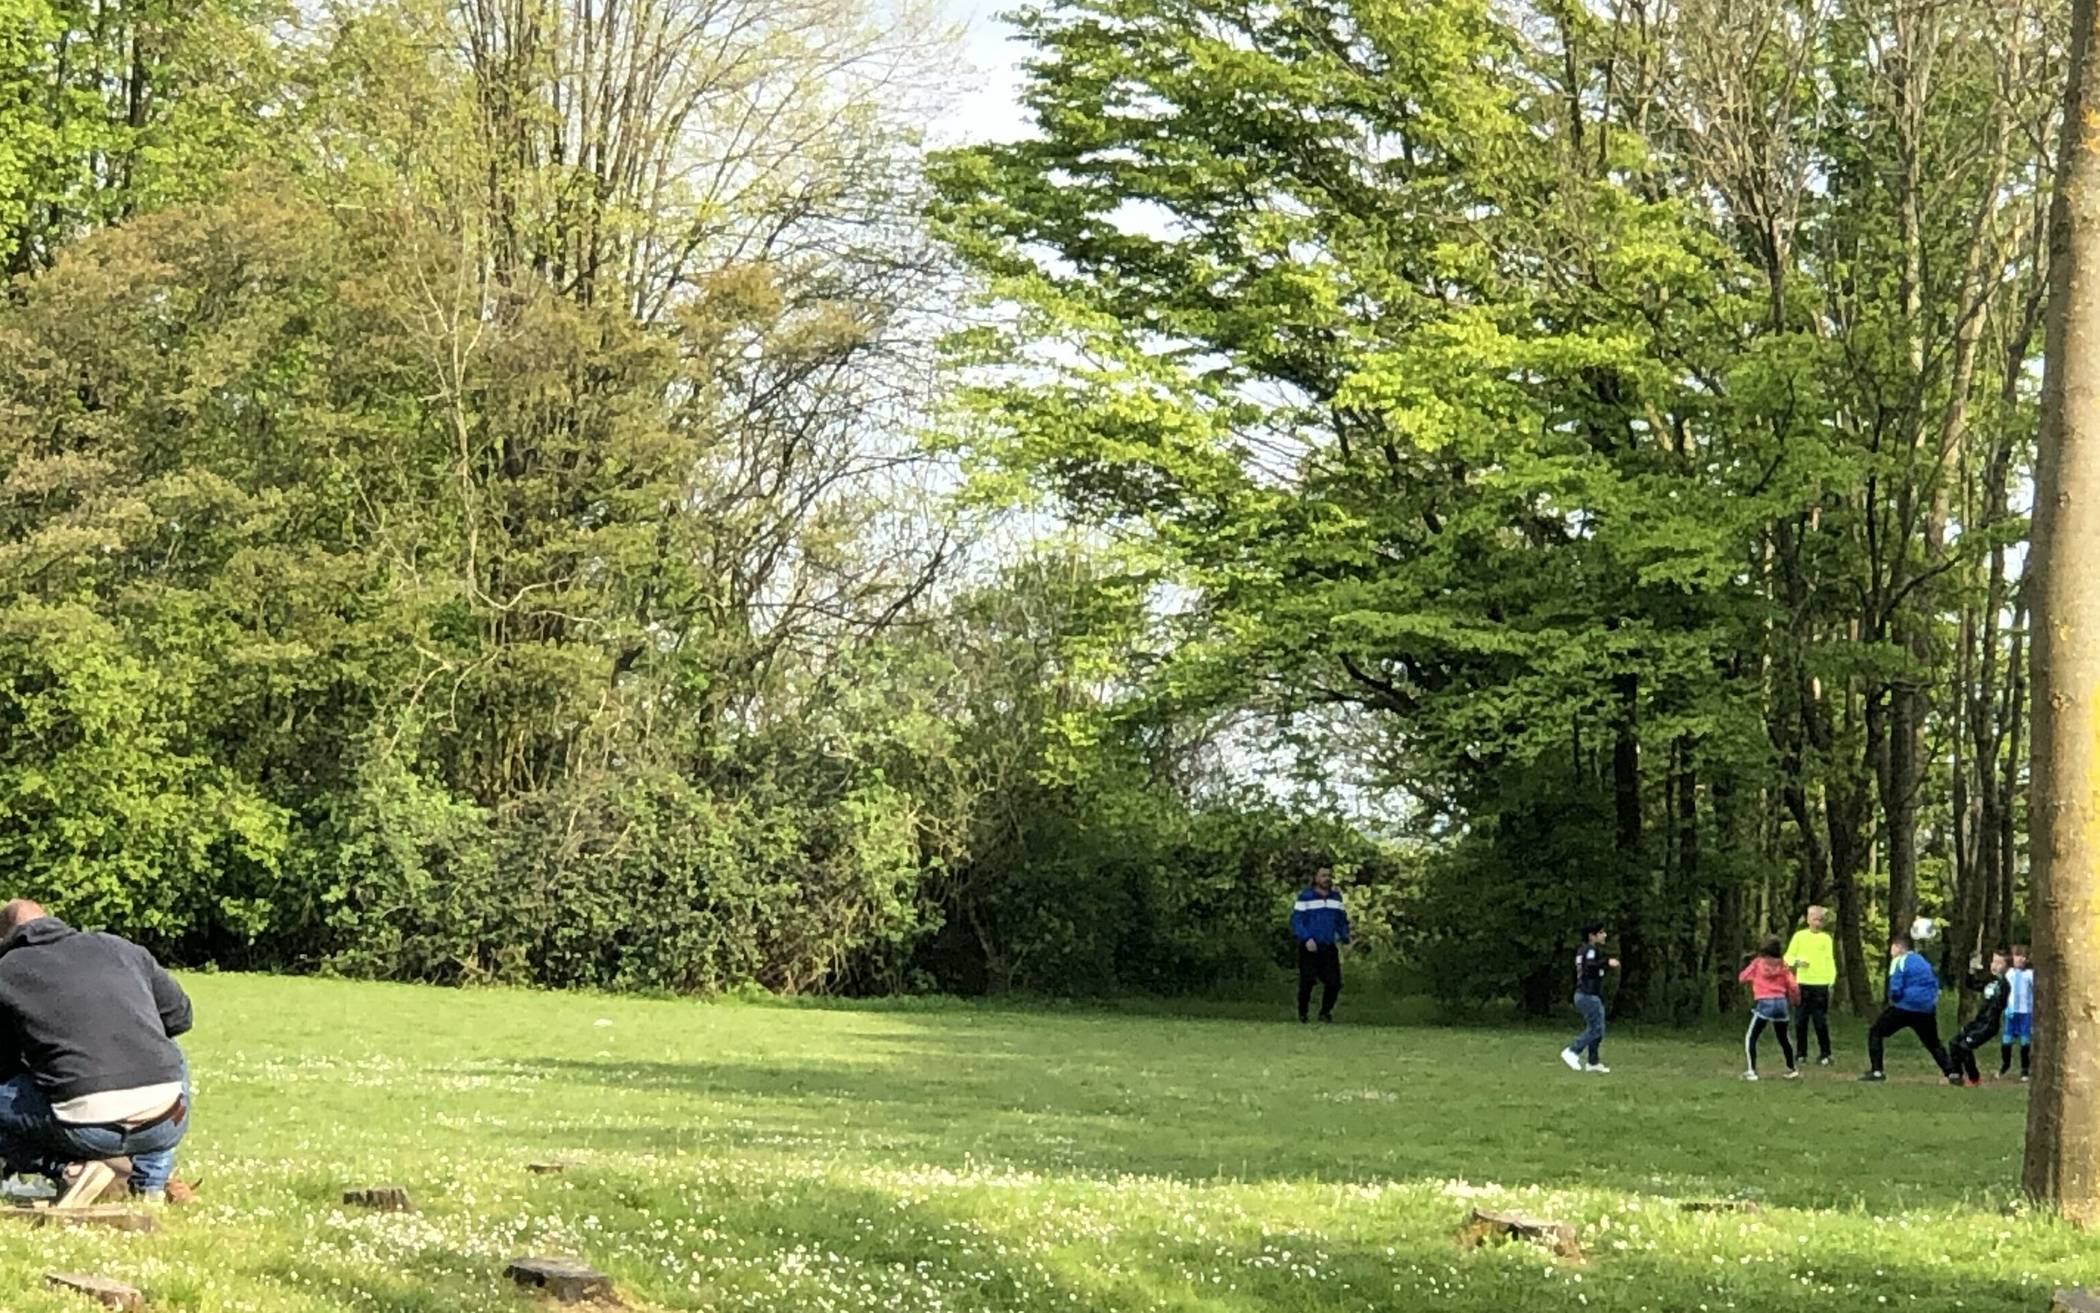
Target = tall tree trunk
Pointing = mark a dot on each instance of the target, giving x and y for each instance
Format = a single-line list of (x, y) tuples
[(1733, 827), (1899, 800), (1688, 996), (2008, 792), (2063, 1112), (1626, 807), (1845, 803)]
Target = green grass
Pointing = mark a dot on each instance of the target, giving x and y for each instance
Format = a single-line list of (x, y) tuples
[(819, 1160)]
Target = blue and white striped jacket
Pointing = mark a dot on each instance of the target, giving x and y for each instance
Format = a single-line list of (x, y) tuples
[(1319, 917)]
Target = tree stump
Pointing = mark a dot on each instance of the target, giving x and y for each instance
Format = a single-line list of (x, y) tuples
[(1484, 1227), (385, 1198), (571, 1283), (1750, 1206), (2075, 1301), (111, 1294), (109, 1217)]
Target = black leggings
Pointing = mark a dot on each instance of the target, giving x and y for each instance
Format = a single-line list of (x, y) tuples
[(1926, 1025), (1756, 1032)]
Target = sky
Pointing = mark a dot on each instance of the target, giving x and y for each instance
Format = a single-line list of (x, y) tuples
[(988, 109)]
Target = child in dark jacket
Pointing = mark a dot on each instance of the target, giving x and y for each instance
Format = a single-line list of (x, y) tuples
[(1773, 994), (1983, 1027)]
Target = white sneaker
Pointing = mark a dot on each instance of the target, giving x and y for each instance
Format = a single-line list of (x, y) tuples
[(1793, 1073), (1570, 1057), (1749, 1075), (1822, 1062), (1599, 1068)]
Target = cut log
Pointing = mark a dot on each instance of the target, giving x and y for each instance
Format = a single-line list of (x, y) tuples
[(385, 1198), (1721, 1206), (2075, 1301), (571, 1283), (109, 1217), (1485, 1227), (111, 1294)]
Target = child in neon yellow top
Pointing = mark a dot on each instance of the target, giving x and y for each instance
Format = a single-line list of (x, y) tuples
[(1812, 954)]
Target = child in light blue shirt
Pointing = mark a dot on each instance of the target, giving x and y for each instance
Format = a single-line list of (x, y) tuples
[(2019, 1015)]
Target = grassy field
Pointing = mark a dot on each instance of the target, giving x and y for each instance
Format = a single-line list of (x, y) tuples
[(807, 1160)]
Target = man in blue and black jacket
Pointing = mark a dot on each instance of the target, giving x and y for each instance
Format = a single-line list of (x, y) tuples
[(1320, 926), (1913, 1005)]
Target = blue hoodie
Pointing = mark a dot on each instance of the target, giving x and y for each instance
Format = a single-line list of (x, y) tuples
[(1319, 917), (1912, 986)]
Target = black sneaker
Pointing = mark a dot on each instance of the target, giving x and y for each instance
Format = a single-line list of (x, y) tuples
[(1326, 1020), (1873, 1076)]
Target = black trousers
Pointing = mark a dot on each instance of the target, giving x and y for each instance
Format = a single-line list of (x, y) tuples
[(1963, 1056), (1926, 1025), (1815, 1003), (1324, 966)]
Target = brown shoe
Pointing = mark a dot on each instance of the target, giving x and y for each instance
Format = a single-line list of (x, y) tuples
[(86, 1184)]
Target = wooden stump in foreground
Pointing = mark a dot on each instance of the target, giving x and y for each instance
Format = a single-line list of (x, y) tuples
[(1485, 1226), (110, 1294), (571, 1283)]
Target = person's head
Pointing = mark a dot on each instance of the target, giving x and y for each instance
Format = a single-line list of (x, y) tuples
[(1899, 945), (1998, 962), (1815, 917), (2019, 956), (15, 915), (1593, 932), (1323, 877), (1771, 947)]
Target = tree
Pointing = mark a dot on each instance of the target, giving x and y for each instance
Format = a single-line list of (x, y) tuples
[(2063, 1114)]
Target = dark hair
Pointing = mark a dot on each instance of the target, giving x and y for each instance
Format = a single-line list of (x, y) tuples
[(2021, 949), (1901, 939), (1591, 927), (1771, 947)]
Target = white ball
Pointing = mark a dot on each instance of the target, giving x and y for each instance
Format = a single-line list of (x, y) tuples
[(1923, 929)]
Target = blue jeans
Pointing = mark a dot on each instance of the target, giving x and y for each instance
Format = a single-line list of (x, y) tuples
[(154, 1169), (1592, 1009), (33, 1139)]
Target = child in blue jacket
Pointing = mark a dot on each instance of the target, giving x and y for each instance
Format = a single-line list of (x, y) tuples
[(1320, 926), (1913, 1005)]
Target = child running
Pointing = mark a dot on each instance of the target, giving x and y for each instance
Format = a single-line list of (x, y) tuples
[(1773, 993), (2019, 1015), (1590, 963), (1982, 1027)]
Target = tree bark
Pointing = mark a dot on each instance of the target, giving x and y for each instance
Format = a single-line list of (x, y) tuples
[(1626, 807), (1688, 994), (1899, 800), (2008, 790), (1847, 806), (2063, 1114)]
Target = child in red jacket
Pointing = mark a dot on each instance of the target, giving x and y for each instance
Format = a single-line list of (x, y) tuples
[(1773, 993)]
